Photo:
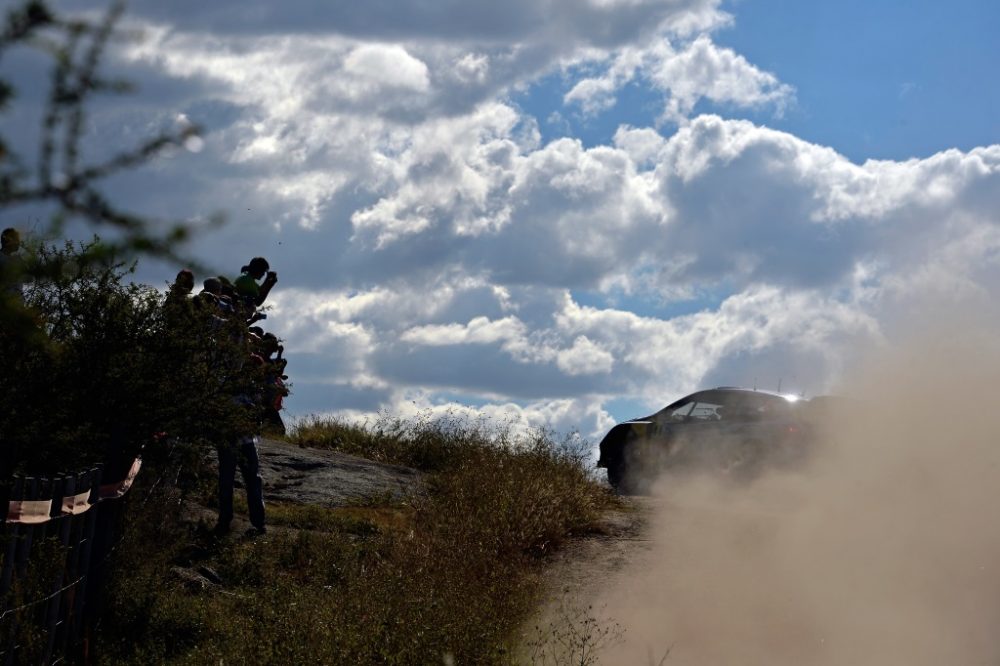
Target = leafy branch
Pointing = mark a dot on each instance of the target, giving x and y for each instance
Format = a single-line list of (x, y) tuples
[(61, 175)]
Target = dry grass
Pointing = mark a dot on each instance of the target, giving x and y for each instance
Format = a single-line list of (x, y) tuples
[(447, 575)]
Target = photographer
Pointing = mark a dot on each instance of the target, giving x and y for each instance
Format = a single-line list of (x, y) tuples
[(246, 284)]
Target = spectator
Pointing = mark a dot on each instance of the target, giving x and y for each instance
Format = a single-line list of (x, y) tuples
[(183, 283), (246, 284), (177, 306), (275, 390), (208, 297), (212, 286), (11, 263), (181, 288), (241, 451), (228, 289)]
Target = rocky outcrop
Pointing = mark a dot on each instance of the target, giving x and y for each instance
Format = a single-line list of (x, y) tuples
[(330, 478)]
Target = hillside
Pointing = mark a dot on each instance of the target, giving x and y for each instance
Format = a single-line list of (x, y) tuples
[(366, 560)]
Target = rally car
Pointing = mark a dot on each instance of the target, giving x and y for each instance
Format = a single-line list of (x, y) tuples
[(733, 430)]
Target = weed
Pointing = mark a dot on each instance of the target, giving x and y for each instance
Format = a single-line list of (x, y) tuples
[(447, 576), (575, 637)]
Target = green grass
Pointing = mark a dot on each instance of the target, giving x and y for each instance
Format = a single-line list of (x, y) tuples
[(451, 573)]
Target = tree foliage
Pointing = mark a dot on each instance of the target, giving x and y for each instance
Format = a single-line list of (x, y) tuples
[(59, 176), (114, 367), (93, 364)]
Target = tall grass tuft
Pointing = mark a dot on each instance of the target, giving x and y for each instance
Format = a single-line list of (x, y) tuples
[(452, 576)]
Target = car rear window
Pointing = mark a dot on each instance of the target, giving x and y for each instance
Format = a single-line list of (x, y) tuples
[(729, 406)]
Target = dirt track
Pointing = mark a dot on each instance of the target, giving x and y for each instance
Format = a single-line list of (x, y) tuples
[(587, 565), (582, 573)]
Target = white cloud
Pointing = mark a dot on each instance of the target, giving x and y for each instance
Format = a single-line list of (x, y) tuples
[(432, 245), (584, 358), (703, 70), (700, 70), (819, 255), (452, 170), (478, 331), (473, 67), (387, 66), (796, 213), (561, 24), (584, 416), (642, 145), (598, 94)]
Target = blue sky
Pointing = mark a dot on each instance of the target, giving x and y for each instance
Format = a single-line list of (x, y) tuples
[(873, 80), (883, 79), (573, 212)]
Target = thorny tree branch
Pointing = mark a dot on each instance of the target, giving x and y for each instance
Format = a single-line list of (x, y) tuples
[(60, 177)]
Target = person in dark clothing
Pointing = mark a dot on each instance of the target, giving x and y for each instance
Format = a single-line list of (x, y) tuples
[(246, 284), (183, 284), (243, 454), (178, 305), (241, 451), (275, 390), (12, 267)]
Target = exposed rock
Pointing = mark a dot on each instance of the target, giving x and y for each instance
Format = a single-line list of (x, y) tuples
[(329, 478), (210, 573), (192, 580)]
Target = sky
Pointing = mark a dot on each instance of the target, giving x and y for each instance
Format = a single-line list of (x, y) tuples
[(571, 212)]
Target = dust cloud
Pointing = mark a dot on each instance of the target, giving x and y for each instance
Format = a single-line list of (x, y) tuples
[(883, 550)]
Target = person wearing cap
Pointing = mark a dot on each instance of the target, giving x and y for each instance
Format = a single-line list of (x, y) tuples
[(246, 284)]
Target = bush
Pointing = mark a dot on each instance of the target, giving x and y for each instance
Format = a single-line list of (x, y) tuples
[(108, 368), (452, 574)]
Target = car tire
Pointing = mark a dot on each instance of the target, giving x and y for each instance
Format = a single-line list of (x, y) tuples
[(622, 477), (616, 472)]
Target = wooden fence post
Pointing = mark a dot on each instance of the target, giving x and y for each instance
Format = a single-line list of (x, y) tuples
[(83, 527)]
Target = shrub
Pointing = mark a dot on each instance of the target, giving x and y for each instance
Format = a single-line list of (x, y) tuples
[(109, 368), (452, 574)]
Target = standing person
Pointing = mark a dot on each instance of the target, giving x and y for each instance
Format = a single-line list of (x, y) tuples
[(11, 264), (241, 453), (275, 390), (246, 284)]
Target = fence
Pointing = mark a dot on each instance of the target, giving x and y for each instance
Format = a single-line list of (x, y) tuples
[(56, 538)]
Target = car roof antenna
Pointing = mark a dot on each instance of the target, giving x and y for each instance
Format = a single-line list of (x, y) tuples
[(754, 383), (779, 385)]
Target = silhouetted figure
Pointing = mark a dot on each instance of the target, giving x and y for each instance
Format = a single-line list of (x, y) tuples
[(243, 454), (212, 285), (11, 264), (183, 283), (274, 381), (177, 306), (246, 284), (241, 451)]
